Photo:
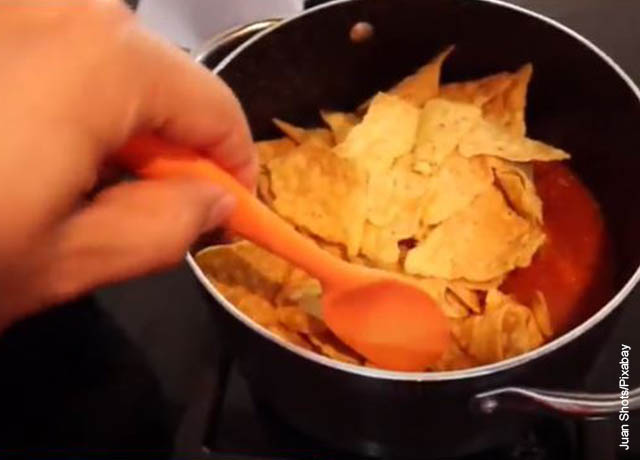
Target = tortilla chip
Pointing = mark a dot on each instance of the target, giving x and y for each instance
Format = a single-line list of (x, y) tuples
[(382, 192), (486, 138), (502, 97), (482, 286), (393, 211), (477, 92), (453, 307), (441, 125), (433, 287), (302, 290), (380, 145), (506, 329), (387, 132), (329, 345), (267, 150), (255, 307), (298, 285), (519, 189), (453, 359), (418, 88), (454, 187), (541, 314), (264, 188), (317, 136), (380, 245), (480, 243), (335, 249), (297, 320), (508, 109), (290, 336), (244, 265), (322, 193), (247, 276), (340, 123), (466, 297), (395, 194)]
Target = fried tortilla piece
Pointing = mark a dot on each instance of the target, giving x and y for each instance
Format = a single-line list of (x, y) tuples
[(340, 123), (453, 307), (335, 249), (508, 108), (441, 125), (520, 343), (505, 330), (541, 314), (268, 150), (485, 138), (291, 336), (482, 286), (317, 136), (330, 346), (477, 92), (247, 276), (265, 194), (479, 243), (466, 297), (255, 307), (395, 193), (518, 186), (502, 97), (418, 88), (302, 290), (393, 212), (386, 133), (433, 287), (381, 146), (454, 187), (297, 320), (380, 245), (322, 193), (244, 264), (453, 359)]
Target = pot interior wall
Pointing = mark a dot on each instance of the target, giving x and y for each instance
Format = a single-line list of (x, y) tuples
[(577, 101)]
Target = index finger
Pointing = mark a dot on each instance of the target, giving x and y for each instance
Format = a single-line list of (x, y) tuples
[(185, 103), (191, 106)]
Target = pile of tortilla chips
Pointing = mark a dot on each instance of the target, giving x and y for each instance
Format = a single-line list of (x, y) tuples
[(432, 181)]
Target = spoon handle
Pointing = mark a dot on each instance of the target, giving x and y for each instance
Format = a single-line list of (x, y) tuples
[(151, 157)]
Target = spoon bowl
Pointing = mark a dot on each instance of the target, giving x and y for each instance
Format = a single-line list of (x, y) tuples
[(395, 325)]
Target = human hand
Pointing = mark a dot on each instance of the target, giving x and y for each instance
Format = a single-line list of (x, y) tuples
[(77, 80)]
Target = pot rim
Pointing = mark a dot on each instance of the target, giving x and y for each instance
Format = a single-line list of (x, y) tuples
[(480, 371)]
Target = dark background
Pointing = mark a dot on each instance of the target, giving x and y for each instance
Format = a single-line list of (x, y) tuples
[(117, 370)]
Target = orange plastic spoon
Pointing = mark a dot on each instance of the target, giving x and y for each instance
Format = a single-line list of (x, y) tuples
[(390, 322)]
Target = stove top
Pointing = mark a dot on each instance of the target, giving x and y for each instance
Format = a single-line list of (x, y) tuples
[(240, 428)]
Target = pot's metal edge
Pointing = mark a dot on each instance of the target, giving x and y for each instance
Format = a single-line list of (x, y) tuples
[(430, 376), (200, 53)]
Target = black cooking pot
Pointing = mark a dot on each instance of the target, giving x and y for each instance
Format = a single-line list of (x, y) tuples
[(580, 100)]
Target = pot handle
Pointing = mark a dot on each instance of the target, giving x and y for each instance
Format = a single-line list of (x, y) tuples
[(566, 403), (219, 46)]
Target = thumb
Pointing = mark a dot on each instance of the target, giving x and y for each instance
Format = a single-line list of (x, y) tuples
[(131, 230)]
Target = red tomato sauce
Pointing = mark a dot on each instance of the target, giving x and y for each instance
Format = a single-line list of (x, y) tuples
[(574, 268)]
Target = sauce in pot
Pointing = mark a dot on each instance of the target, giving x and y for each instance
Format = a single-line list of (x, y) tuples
[(574, 268)]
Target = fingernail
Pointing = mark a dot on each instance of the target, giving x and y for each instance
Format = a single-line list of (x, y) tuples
[(220, 212)]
